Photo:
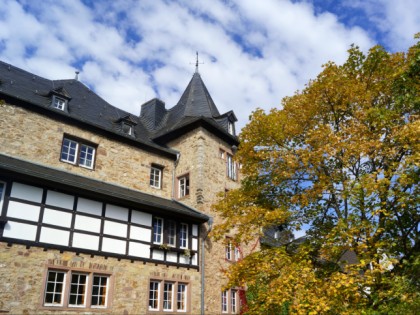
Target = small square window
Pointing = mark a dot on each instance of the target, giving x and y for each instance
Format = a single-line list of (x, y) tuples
[(59, 103), (156, 176), (183, 186)]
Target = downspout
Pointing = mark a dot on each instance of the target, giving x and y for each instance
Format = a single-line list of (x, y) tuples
[(210, 223)]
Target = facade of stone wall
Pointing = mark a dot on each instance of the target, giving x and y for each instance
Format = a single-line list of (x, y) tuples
[(201, 158), (23, 272), (38, 138)]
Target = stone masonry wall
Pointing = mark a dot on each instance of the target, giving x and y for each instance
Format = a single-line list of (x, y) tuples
[(200, 157), (37, 138), (22, 272)]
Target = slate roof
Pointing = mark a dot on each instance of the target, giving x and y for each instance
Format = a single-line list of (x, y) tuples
[(83, 106), (150, 128), (58, 178)]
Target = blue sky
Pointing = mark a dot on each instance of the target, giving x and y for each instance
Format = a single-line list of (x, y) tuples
[(252, 53)]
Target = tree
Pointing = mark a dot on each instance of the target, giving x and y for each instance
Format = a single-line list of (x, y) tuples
[(342, 157)]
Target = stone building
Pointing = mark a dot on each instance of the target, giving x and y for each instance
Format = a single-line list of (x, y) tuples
[(102, 211)]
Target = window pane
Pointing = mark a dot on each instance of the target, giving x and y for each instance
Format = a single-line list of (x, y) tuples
[(154, 295), (157, 230), (87, 155), (224, 302), (78, 290), (54, 287), (99, 291), (184, 186), (172, 233), (167, 296), (181, 300), (183, 236), (155, 177), (233, 300), (69, 151)]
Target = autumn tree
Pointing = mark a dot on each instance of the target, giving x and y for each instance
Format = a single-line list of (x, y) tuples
[(341, 158)]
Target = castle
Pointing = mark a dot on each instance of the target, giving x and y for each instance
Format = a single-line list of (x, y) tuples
[(104, 211)]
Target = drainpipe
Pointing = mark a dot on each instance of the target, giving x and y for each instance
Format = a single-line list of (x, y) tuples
[(210, 223)]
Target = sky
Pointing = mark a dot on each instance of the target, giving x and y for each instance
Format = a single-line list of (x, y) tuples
[(251, 53)]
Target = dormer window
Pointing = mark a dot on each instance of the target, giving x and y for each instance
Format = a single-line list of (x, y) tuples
[(231, 128), (127, 128), (125, 124), (59, 103)]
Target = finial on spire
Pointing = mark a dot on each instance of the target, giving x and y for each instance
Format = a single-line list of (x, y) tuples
[(197, 62)]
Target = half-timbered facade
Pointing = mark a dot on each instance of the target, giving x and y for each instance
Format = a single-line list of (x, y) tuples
[(105, 211)]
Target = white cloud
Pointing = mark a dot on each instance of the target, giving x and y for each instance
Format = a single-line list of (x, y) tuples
[(130, 51)]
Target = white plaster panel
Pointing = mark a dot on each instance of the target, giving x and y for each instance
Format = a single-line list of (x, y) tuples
[(23, 211), (116, 229), (140, 234), (54, 236), (58, 199), (113, 246), (172, 257), (194, 259), (158, 254), (86, 241), (57, 217), (194, 244), (89, 206), (20, 230), (87, 223), (195, 230), (26, 192), (139, 250), (116, 212), (141, 218), (184, 259)]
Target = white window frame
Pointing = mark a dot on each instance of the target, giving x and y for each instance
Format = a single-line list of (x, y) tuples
[(83, 155), (228, 250), (156, 177), (183, 186), (231, 128), (165, 296), (66, 289), (183, 235), (182, 297), (79, 285), (231, 167), (55, 292), (233, 301), (225, 302), (157, 235), (59, 103), (178, 296), (171, 228), (155, 298)]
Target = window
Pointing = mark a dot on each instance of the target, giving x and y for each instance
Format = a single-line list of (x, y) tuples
[(156, 176), (162, 294), (183, 236), (81, 286), (230, 301), (127, 128), (184, 186), (222, 154), (157, 230), (231, 128), (232, 252), (231, 167), (78, 153), (171, 233), (59, 103)]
